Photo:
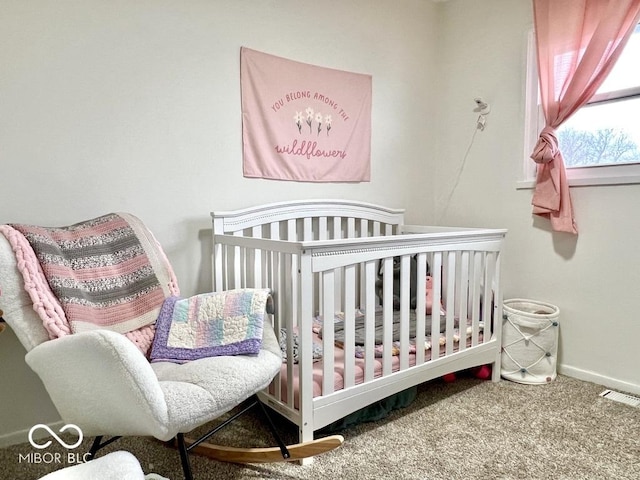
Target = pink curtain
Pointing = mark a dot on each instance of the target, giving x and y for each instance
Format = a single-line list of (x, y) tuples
[(578, 42)]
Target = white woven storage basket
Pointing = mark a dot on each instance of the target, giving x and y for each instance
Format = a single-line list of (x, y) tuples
[(529, 341)]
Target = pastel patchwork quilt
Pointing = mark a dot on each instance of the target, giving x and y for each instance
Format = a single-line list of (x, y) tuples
[(210, 324)]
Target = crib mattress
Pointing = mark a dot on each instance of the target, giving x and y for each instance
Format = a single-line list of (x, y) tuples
[(339, 367)]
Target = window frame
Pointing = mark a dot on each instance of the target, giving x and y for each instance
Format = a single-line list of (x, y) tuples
[(534, 122)]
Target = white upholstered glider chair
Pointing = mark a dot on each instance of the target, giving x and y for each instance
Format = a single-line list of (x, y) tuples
[(87, 300)]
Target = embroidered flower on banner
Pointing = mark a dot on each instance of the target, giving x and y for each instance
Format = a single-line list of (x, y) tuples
[(319, 118), (309, 111), (298, 119)]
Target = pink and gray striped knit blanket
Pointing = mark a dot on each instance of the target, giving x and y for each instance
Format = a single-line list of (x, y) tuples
[(108, 272)]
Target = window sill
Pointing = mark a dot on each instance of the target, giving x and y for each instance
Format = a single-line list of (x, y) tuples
[(587, 181), (591, 176)]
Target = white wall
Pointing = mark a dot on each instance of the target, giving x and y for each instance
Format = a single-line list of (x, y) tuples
[(592, 278), (135, 106)]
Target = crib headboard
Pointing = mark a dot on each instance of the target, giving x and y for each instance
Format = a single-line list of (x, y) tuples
[(303, 220), (280, 226), (247, 242)]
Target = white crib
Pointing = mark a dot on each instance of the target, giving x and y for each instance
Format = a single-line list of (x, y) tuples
[(322, 257)]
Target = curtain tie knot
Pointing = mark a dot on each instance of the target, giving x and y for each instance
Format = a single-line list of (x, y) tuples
[(546, 147)]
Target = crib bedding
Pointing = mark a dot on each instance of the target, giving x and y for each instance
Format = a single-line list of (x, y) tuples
[(360, 322), (360, 333), (359, 368)]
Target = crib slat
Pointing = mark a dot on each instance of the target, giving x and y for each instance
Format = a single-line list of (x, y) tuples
[(217, 258), (273, 282), (290, 366), (389, 229), (476, 273), (337, 234), (370, 319), (376, 229), (450, 302), (405, 275), (291, 306), (337, 228), (496, 311), (256, 232), (421, 306), (322, 234), (437, 300), (328, 333), (463, 288), (364, 227), (237, 269), (306, 339), (487, 304), (387, 314), (222, 269), (266, 270), (351, 227), (290, 317), (307, 228), (323, 231), (363, 232), (292, 272), (349, 323)]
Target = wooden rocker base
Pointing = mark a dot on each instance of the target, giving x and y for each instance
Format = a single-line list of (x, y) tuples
[(297, 451)]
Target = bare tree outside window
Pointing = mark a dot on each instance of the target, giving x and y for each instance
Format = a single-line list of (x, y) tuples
[(606, 146)]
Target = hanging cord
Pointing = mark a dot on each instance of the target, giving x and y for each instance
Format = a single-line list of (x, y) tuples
[(479, 126)]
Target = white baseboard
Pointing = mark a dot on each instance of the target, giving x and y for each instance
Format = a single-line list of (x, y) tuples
[(593, 377), (22, 436)]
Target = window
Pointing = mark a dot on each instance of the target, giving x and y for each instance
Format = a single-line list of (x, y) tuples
[(601, 142)]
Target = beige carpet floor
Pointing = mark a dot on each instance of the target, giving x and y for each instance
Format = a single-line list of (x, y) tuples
[(469, 429)]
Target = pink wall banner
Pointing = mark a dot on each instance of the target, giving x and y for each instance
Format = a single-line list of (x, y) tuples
[(302, 122)]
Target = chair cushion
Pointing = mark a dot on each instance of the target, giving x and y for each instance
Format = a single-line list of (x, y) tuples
[(200, 391), (193, 391), (209, 325)]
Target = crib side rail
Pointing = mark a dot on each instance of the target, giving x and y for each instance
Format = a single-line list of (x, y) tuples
[(420, 298), (329, 255)]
